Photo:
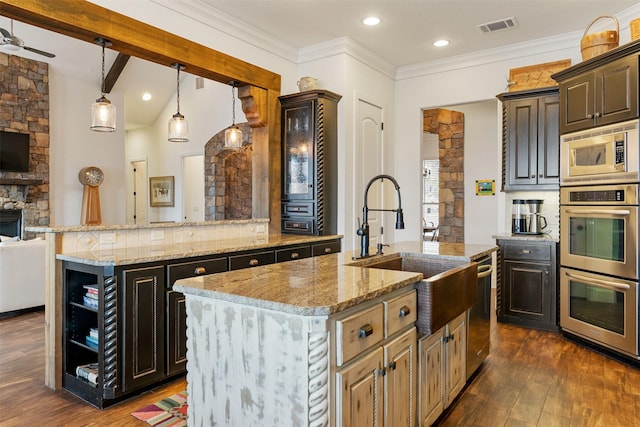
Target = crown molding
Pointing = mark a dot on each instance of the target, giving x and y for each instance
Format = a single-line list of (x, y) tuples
[(216, 20), (348, 46)]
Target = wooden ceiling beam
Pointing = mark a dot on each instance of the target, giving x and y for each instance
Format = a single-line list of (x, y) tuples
[(115, 71), (87, 21)]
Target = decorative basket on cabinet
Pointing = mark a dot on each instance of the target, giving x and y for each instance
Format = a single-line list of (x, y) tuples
[(598, 43)]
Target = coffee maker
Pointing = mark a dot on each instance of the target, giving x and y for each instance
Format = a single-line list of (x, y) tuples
[(526, 217)]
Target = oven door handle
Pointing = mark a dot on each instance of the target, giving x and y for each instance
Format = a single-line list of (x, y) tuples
[(600, 282), (622, 212)]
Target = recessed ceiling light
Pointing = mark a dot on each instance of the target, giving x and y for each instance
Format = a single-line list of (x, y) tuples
[(146, 96), (371, 20), (441, 43)]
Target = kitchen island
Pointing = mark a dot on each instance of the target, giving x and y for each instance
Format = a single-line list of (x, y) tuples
[(289, 344)]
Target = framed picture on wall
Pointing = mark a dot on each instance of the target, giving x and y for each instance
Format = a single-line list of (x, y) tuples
[(485, 187), (162, 189)]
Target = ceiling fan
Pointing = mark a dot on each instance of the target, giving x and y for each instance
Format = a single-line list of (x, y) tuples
[(11, 42)]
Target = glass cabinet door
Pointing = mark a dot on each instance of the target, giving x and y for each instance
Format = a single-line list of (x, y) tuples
[(298, 153)]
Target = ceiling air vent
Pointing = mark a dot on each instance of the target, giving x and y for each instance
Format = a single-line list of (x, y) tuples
[(499, 25)]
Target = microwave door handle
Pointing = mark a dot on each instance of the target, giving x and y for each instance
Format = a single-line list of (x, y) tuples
[(621, 212), (600, 282)]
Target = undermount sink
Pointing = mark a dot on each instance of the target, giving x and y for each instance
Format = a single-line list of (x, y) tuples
[(448, 288)]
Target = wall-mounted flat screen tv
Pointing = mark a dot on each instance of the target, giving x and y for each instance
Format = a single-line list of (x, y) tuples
[(14, 152)]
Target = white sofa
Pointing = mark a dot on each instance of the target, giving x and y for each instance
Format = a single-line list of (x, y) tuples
[(22, 282)]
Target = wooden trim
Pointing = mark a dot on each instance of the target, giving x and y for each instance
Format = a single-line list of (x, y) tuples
[(115, 71), (87, 21)]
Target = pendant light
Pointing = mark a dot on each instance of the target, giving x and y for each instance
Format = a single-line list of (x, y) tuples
[(233, 134), (178, 126), (103, 113)]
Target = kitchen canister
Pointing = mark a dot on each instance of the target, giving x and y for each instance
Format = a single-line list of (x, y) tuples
[(634, 27), (598, 43)]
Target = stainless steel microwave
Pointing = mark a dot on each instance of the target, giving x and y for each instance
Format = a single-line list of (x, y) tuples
[(607, 154)]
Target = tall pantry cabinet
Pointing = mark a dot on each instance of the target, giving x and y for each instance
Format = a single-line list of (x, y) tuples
[(309, 123)]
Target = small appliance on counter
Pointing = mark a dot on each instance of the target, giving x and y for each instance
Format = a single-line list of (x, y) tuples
[(526, 217)]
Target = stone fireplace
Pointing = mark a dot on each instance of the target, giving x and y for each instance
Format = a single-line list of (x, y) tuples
[(24, 107)]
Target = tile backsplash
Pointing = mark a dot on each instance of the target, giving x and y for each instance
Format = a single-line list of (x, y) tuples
[(550, 208)]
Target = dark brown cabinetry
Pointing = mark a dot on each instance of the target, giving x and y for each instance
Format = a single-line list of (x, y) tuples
[(143, 331), (309, 162), (527, 293), (531, 140), (605, 95), (131, 333), (176, 321)]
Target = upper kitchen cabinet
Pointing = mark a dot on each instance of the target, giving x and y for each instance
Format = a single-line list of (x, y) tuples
[(601, 90), (606, 95), (530, 139), (309, 123)]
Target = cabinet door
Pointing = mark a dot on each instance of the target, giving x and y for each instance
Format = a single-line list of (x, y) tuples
[(400, 381), (298, 144), (176, 333), (548, 149), (432, 366), (617, 91), (143, 327), (522, 141), (359, 392), (577, 97), (527, 291), (456, 348)]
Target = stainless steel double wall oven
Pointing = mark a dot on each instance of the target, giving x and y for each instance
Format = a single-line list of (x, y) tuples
[(599, 275)]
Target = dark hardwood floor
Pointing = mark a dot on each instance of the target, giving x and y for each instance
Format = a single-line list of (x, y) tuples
[(531, 378)]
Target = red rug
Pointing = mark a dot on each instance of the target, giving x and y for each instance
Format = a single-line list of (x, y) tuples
[(169, 412)]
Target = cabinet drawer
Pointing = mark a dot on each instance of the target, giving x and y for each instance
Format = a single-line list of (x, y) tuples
[(358, 332), (400, 312), (293, 253), (195, 268), (251, 260), (297, 209), (528, 252), (325, 248), (298, 226)]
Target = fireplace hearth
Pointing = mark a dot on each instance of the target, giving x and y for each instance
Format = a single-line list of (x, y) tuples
[(10, 222)]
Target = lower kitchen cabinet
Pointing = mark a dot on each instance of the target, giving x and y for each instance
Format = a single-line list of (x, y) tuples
[(125, 326), (442, 364), (529, 287), (142, 308), (376, 364)]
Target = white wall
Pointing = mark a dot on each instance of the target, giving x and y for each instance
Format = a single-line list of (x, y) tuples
[(74, 146)]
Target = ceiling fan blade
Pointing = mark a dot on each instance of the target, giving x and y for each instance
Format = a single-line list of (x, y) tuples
[(5, 33), (39, 52)]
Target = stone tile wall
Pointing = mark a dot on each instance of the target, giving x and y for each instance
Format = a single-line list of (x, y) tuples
[(24, 107), (449, 126)]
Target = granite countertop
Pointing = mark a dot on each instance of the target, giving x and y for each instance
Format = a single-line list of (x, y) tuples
[(153, 253), (326, 284), (530, 237)]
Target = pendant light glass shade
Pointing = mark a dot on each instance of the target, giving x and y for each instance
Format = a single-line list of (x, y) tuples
[(103, 113), (233, 134), (178, 126)]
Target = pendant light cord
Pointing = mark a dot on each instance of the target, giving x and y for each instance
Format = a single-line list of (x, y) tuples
[(103, 82), (178, 87), (233, 106)]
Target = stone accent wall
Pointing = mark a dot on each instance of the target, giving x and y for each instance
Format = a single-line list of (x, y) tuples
[(228, 178), (24, 107), (449, 126)]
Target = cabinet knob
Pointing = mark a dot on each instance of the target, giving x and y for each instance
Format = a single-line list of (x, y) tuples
[(253, 262), (199, 270), (327, 250), (365, 330), (589, 116), (526, 251), (533, 176), (392, 366), (382, 372), (404, 311), (295, 255)]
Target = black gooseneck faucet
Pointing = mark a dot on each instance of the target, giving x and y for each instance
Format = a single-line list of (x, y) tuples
[(363, 230)]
